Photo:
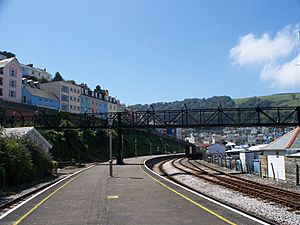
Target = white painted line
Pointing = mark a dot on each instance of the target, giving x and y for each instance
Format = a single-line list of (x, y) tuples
[(37, 194), (207, 198)]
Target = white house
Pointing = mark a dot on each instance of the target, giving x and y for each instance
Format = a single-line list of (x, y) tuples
[(274, 154), (28, 133)]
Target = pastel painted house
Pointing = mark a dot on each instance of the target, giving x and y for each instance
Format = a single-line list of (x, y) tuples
[(30, 71), (68, 94), (85, 98), (34, 94), (10, 80)]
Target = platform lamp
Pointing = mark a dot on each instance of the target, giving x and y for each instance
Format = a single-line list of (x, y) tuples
[(110, 123)]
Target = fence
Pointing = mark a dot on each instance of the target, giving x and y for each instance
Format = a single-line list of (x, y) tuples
[(234, 164)]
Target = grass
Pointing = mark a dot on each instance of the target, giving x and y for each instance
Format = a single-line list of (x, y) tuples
[(286, 99)]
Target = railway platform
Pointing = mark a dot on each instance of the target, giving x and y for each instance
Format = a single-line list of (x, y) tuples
[(133, 196)]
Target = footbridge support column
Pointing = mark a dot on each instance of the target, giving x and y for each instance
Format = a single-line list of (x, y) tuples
[(120, 141)]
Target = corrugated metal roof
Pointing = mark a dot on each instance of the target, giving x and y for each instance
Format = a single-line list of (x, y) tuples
[(289, 140), (28, 132)]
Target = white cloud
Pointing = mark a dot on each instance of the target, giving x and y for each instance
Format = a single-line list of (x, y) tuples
[(272, 55), (283, 76), (264, 49)]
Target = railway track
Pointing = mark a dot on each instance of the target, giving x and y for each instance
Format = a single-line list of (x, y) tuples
[(250, 188)]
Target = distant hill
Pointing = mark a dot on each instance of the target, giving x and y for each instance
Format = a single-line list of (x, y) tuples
[(285, 99)]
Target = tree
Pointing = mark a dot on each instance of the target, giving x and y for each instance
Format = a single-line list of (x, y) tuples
[(43, 80), (98, 88), (57, 77)]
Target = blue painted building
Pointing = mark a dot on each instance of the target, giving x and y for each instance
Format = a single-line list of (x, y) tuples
[(34, 94), (101, 105)]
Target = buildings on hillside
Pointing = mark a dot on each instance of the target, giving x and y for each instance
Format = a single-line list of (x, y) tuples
[(68, 94), (30, 71), (34, 94), (10, 80), (20, 83)]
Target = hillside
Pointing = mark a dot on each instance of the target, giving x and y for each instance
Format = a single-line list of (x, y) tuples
[(284, 99)]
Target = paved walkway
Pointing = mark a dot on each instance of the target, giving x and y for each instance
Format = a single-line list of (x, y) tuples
[(131, 197)]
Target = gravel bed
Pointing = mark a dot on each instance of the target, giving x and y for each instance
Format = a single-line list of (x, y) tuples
[(267, 181), (267, 210), (61, 173)]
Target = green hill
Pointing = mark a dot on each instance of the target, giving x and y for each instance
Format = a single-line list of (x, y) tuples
[(284, 99)]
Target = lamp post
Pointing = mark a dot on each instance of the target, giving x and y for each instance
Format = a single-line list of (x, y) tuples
[(135, 149), (110, 123)]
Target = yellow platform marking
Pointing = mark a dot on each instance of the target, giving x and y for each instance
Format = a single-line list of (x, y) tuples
[(188, 199), (112, 197), (41, 202)]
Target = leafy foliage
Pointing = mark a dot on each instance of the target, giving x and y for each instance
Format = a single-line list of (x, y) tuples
[(191, 103), (57, 77), (22, 161)]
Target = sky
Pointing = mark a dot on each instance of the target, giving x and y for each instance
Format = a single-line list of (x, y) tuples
[(146, 51)]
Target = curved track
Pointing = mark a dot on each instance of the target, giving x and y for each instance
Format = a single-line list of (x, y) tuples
[(250, 188)]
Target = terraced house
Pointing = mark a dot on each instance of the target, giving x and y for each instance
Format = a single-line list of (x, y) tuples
[(10, 80), (68, 94), (30, 71), (34, 94)]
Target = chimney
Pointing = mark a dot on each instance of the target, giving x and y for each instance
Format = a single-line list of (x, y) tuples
[(30, 64)]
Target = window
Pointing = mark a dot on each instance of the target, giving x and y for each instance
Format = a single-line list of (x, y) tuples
[(65, 107), (71, 89), (12, 94), (1, 80), (13, 73), (77, 99), (71, 107), (12, 83), (65, 98), (1, 70), (65, 89), (78, 108), (71, 98), (1, 92)]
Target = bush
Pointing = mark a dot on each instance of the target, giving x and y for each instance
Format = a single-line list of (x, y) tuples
[(21, 162)]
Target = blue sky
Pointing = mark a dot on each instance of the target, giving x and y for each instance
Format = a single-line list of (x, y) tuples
[(147, 51)]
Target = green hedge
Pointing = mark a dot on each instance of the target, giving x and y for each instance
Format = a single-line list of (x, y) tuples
[(21, 161)]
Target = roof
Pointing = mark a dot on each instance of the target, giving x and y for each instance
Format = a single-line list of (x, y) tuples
[(290, 140), (34, 68), (4, 62), (257, 147), (29, 132), (294, 155), (235, 150), (40, 92)]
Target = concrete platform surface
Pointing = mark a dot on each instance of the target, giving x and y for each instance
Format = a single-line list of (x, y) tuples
[(132, 196)]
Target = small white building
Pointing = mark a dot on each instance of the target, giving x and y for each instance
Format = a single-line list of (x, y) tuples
[(191, 139), (274, 154), (28, 133)]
